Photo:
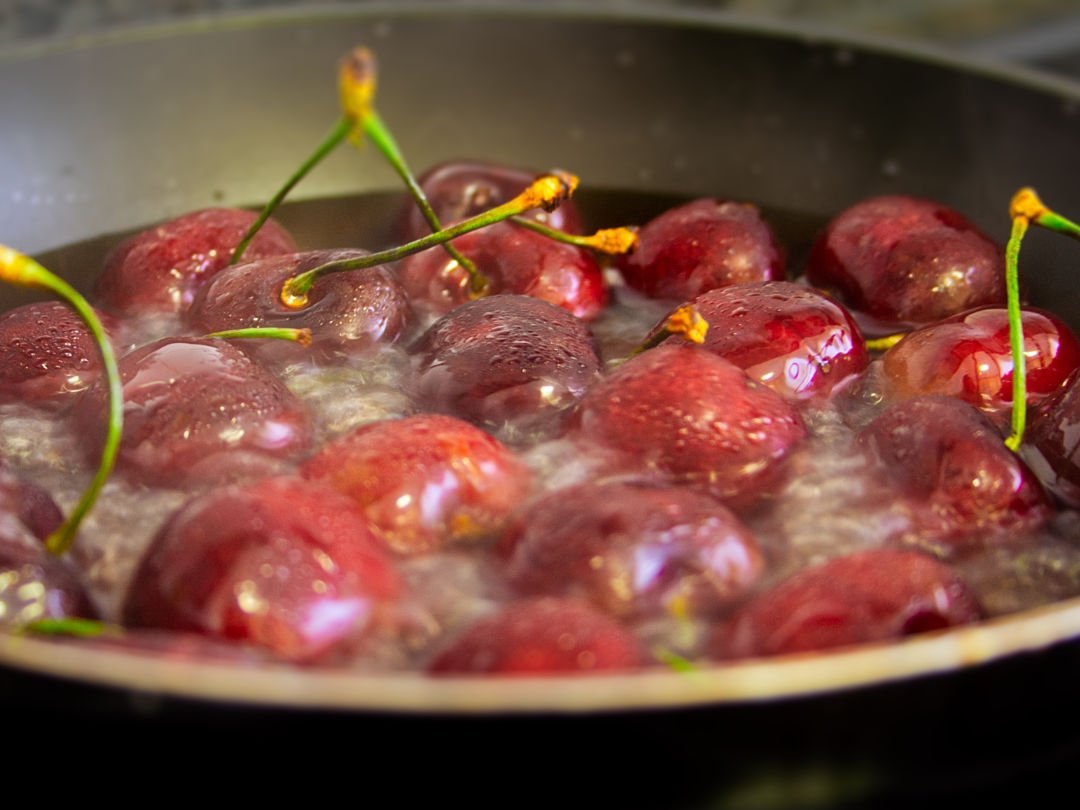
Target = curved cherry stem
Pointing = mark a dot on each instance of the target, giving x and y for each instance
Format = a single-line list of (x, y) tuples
[(301, 336), (612, 241), (19, 269), (547, 191), (1016, 332), (686, 322)]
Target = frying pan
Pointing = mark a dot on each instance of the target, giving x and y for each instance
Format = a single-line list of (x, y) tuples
[(104, 135)]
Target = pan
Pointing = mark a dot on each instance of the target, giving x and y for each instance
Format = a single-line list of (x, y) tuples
[(103, 135)]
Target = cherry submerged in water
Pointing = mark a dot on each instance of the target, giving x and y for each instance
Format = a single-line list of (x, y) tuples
[(670, 498)]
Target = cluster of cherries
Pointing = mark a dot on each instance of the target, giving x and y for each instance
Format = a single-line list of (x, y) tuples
[(295, 543)]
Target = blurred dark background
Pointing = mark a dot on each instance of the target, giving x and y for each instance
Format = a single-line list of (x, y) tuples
[(1042, 33)]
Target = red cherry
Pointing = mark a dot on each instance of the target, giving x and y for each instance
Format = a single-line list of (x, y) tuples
[(905, 262), (347, 312), (459, 190), (514, 260), (29, 504), (47, 354), (196, 410), (633, 551), (161, 268), (793, 339), (540, 636), (694, 418), (511, 364), (700, 246), (425, 481), (965, 485), (281, 563), (969, 357), (1052, 443), (870, 596)]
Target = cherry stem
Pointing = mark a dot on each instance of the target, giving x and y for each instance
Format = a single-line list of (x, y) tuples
[(301, 336), (1026, 203), (612, 241), (1016, 331), (340, 131), (686, 321), (547, 191), (20, 270), (376, 130), (883, 344), (71, 626)]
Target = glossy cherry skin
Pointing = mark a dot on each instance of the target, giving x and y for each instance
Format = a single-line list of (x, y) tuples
[(965, 486), (537, 637), (691, 417), (197, 411), (280, 563), (28, 503), (458, 190), (514, 260), (1052, 443), (510, 363), (700, 246), (347, 312), (35, 585), (876, 595), (905, 262), (633, 551), (795, 340), (160, 269), (969, 357), (426, 481), (47, 354)]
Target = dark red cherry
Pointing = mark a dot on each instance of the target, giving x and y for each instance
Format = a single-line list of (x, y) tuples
[(700, 246), (425, 481), (161, 268), (347, 312), (197, 410), (281, 563), (789, 337), (514, 260), (47, 354), (510, 363), (905, 262), (969, 357), (461, 189), (29, 504), (633, 551), (870, 596), (694, 418), (950, 460), (34, 584), (537, 637), (1052, 443)]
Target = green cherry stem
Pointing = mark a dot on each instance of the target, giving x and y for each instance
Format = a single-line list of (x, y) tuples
[(686, 321), (1016, 331), (20, 270), (883, 344), (301, 336), (71, 626), (547, 191), (612, 241)]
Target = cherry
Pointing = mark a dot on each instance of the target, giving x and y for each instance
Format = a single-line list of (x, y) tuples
[(700, 246), (47, 354), (1052, 447), (161, 268), (514, 260), (633, 551), (540, 636), (461, 189), (694, 418), (29, 504), (197, 410), (346, 312), (949, 459), (425, 481), (34, 584), (281, 563), (510, 363), (969, 357), (793, 339), (869, 596), (905, 262)]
